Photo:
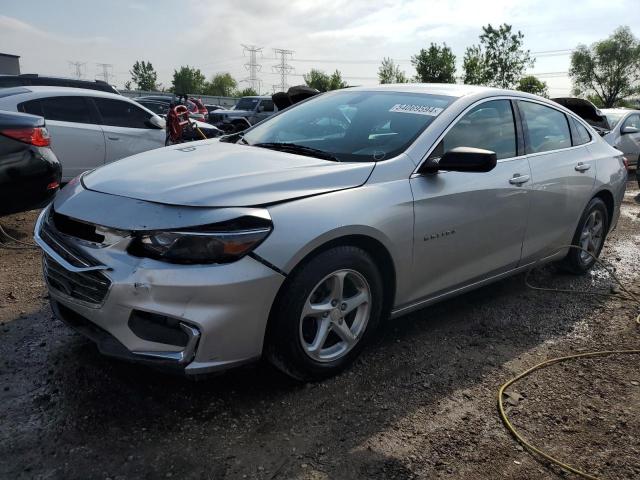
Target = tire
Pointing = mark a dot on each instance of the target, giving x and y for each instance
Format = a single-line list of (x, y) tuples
[(577, 261), (293, 338)]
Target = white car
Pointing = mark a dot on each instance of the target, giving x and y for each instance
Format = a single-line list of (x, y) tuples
[(625, 132), (88, 128)]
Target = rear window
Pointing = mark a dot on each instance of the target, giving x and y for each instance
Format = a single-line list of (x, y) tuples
[(63, 109), (547, 128)]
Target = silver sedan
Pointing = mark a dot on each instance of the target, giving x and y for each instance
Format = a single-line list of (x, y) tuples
[(293, 240)]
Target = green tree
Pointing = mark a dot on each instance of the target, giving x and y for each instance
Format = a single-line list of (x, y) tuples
[(389, 72), (499, 60), (323, 82), (532, 84), (609, 69), (144, 75), (188, 80), (246, 92), (222, 84), (437, 64)]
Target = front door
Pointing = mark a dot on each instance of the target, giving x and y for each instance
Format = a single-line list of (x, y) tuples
[(470, 226), (127, 130), (629, 143)]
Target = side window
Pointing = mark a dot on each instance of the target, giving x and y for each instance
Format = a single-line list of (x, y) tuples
[(34, 107), (580, 134), (632, 121), (121, 114), (267, 105), (489, 126), (546, 127), (66, 109)]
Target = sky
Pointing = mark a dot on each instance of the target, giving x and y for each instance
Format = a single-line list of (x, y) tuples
[(350, 35)]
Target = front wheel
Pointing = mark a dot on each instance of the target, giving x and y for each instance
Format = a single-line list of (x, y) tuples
[(589, 236), (325, 314)]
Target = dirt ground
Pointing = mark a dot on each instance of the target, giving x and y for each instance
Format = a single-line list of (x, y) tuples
[(419, 403)]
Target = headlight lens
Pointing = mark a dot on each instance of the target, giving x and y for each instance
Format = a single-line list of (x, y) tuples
[(198, 246)]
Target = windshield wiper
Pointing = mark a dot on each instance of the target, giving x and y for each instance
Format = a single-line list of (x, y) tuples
[(299, 149)]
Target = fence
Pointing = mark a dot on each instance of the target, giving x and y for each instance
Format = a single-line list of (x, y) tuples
[(206, 99)]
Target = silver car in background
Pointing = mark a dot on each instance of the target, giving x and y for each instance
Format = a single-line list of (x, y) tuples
[(625, 132), (295, 239)]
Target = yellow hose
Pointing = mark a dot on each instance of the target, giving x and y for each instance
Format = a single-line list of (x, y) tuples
[(503, 415)]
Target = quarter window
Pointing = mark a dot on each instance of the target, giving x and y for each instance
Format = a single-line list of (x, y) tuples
[(64, 109), (547, 128), (489, 126), (121, 114), (581, 134)]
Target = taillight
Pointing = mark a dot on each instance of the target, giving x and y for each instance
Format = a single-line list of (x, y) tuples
[(53, 185), (38, 136), (625, 160)]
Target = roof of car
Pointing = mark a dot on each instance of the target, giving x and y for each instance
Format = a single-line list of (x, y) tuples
[(449, 89), (70, 91), (619, 110)]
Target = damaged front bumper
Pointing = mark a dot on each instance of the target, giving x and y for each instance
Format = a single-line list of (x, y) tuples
[(194, 318)]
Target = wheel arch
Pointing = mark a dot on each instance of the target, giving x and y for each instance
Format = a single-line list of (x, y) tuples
[(374, 247)]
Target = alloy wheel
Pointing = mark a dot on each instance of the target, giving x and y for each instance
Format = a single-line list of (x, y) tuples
[(335, 315), (592, 236)]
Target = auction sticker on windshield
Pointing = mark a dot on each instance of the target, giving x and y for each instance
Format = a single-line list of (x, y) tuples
[(417, 109)]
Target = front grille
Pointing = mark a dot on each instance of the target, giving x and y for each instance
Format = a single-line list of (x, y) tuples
[(88, 287)]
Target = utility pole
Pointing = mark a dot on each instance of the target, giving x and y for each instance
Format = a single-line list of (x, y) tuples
[(78, 66), (253, 66), (105, 71), (283, 68)]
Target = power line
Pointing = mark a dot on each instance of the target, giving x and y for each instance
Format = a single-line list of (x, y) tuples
[(106, 75), (253, 66), (78, 66), (282, 68)]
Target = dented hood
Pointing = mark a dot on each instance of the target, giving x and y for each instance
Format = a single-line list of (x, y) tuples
[(216, 174)]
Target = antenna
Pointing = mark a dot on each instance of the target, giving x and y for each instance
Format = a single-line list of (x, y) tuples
[(78, 66), (253, 66), (105, 71), (283, 68)]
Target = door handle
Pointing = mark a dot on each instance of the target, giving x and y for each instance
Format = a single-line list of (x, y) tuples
[(518, 179), (113, 138), (582, 167)]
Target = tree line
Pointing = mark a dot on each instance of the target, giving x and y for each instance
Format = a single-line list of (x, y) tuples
[(606, 72)]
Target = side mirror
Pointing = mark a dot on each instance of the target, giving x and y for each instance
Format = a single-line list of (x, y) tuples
[(462, 159), (156, 122), (629, 129)]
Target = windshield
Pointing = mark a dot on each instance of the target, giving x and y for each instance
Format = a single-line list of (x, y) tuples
[(246, 104), (614, 118), (353, 126)]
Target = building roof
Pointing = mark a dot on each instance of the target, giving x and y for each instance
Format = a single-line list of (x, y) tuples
[(9, 55)]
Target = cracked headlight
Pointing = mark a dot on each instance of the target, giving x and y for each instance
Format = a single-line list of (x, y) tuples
[(212, 244)]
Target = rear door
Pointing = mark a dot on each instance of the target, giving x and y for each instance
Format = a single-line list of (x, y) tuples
[(470, 226), (629, 143), (126, 127), (76, 138), (563, 174)]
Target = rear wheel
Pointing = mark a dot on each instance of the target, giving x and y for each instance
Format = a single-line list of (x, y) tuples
[(589, 236), (325, 314)]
